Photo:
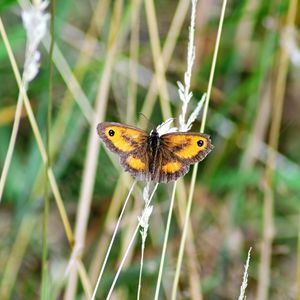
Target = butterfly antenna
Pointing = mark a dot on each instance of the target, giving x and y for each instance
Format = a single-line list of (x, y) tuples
[(147, 119)]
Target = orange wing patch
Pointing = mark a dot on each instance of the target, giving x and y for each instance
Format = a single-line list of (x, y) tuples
[(171, 167), (118, 139), (193, 144), (187, 146), (136, 163), (121, 139)]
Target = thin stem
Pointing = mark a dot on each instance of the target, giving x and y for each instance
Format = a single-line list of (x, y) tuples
[(167, 52), (45, 287), (11, 146), (141, 271), (37, 136), (245, 278), (144, 232), (112, 241), (93, 147), (165, 242), (158, 59), (134, 54), (277, 106), (130, 245), (195, 169)]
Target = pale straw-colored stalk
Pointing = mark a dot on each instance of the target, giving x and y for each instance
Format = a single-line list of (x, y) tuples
[(145, 211), (194, 174), (157, 58), (185, 96), (45, 289), (168, 48), (110, 218), (35, 22), (66, 109), (245, 278), (134, 53), (93, 146), (14, 261), (112, 240), (164, 250), (167, 51), (37, 136), (276, 117), (144, 224)]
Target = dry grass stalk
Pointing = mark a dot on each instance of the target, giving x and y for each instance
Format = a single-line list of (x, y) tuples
[(192, 186), (93, 142), (277, 105)]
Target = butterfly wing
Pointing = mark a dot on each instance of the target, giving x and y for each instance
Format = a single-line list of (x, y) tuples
[(168, 166), (188, 147), (130, 143), (179, 150)]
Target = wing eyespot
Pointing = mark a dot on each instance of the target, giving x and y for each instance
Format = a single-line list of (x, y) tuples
[(200, 143), (111, 132)]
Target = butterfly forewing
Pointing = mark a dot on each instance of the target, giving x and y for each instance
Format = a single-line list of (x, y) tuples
[(130, 144), (121, 139)]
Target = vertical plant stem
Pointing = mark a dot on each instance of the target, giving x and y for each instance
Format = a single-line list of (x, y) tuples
[(37, 136), (41, 147), (158, 59), (167, 52), (195, 169), (129, 246), (110, 217), (93, 147), (11, 146), (141, 271), (277, 106), (134, 53), (14, 261), (45, 278), (122, 263), (163, 254), (112, 240)]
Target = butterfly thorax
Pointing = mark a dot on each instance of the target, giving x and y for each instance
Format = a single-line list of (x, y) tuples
[(153, 146)]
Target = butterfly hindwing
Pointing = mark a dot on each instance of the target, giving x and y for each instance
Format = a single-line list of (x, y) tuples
[(188, 147), (169, 166), (137, 164)]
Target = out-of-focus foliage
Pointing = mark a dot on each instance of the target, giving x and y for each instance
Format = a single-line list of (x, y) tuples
[(227, 214)]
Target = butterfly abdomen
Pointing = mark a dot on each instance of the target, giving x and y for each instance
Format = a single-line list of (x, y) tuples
[(153, 146)]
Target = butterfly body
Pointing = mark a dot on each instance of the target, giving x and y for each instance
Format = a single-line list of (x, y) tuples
[(154, 157)]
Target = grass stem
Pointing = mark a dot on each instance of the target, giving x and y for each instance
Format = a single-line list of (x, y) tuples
[(130, 245), (45, 277), (112, 241), (163, 254), (195, 169), (276, 116)]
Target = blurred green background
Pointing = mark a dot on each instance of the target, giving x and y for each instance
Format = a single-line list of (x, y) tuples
[(242, 198)]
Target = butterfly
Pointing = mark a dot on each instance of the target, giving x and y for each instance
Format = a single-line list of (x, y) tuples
[(154, 157)]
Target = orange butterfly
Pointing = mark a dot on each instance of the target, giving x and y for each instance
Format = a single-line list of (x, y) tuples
[(153, 157)]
